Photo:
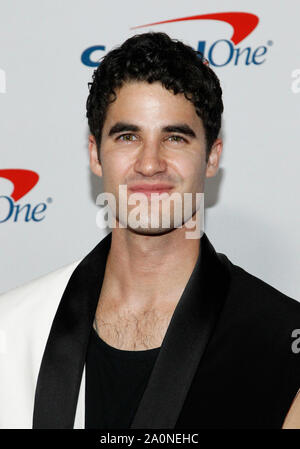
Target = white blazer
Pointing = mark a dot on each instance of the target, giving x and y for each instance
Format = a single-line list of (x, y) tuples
[(26, 316)]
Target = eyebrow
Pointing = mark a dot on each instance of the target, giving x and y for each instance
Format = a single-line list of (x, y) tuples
[(120, 127), (181, 128)]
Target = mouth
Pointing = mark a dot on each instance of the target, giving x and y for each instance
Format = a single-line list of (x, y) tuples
[(148, 189)]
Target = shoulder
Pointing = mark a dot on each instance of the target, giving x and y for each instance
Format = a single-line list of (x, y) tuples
[(255, 304), (41, 293), (254, 287)]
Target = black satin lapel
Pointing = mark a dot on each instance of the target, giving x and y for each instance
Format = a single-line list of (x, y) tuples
[(185, 341), (64, 356)]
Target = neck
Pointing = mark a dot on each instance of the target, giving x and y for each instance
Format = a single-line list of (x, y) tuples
[(144, 272)]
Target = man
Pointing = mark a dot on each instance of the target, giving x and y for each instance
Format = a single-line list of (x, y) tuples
[(153, 328)]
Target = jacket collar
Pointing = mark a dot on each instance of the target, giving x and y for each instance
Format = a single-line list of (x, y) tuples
[(183, 346)]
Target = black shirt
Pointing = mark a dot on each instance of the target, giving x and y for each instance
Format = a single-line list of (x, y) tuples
[(115, 383)]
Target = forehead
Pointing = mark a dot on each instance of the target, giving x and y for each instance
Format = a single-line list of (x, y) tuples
[(148, 104)]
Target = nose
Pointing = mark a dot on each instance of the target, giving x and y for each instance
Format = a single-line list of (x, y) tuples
[(150, 161)]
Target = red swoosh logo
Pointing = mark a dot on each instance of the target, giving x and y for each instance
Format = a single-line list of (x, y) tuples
[(23, 181), (243, 23)]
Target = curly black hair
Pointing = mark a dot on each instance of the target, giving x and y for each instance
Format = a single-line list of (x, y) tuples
[(152, 57)]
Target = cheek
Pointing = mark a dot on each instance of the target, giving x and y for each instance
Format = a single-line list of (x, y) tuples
[(191, 169), (114, 170)]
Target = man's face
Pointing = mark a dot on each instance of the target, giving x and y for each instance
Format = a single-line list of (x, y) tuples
[(152, 141)]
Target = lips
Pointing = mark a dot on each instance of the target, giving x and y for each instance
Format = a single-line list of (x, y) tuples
[(147, 189)]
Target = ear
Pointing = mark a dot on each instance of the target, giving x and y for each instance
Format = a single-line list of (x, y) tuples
[(94, 161), (214, 158)]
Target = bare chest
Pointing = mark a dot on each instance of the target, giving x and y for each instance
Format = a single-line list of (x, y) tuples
[(130, 330)]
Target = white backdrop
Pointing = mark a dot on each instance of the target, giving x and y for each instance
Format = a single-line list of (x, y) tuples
[(252, 206)]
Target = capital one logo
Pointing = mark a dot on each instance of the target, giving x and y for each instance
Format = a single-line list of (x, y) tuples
[(10, 208), (219, 53)]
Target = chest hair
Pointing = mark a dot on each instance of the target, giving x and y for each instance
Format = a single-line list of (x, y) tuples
[(132, 331)]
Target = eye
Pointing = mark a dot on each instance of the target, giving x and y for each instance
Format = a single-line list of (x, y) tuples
[(127, 138), (177, 139)]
